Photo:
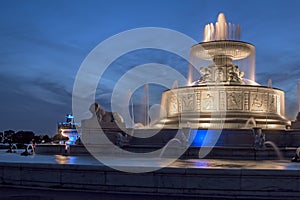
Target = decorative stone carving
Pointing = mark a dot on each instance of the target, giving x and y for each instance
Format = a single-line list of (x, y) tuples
[(225, 74), (173, 105), (105, 116), (187, 101), (222, 101), (257, 101), (209, 101), (234, 100), (234, 74), (246, 100), (198, 99), (272, 103)]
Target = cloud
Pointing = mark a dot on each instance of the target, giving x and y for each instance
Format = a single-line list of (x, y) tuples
[(287, 81)]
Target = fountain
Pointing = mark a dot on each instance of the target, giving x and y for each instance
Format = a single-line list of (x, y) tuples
[(29, 150), (223, 87), (132, 109), (250, 120), (146, 101), (221, 98), (175, 84), (12, 148), (269, 83), (276, 149), (224, 109)]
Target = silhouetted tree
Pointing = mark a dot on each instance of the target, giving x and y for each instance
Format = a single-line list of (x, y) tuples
[(8, 134), (46, 139), (37, 139), (1, 136), (23, 137)]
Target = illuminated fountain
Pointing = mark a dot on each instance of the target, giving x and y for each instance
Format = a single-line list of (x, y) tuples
[(221, 98), (224, 97), (224, 107)]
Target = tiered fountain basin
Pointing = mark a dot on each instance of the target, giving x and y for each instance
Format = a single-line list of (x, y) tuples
[(235, 50), (223, 107)]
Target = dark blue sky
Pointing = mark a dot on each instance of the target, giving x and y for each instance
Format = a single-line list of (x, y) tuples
[(43, 44)]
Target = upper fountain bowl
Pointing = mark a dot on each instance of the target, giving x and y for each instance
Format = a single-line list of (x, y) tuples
[(235, 50)]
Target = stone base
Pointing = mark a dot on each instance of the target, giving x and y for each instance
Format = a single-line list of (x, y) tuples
[(231, 144), (220, 181), (223, 107)]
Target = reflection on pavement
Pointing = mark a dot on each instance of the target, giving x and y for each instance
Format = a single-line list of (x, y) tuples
[(189, 163)]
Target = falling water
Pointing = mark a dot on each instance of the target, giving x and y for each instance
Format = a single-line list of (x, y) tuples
[(193, 69), (270, 83), (146, 102), (221, 30), (190, 75), (250, 120), (175, 84), (131, 110), (174, 141), (30, 149), (298, 151), (278, 153), (14, 146), (250, 73)]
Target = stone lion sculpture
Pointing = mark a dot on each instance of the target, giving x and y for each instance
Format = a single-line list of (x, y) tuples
[(105, 116)]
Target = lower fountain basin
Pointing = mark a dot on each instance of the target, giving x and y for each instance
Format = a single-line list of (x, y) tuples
[(223, 107)]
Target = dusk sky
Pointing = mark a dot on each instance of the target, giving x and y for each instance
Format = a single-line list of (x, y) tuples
[(43, 44)]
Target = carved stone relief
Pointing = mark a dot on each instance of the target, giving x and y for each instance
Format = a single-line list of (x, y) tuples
[(198, 99), (234, 100), (222, 103), (272, 103), (173, 104), (188, 102), (257, 101), (246, 100), (209, 101)]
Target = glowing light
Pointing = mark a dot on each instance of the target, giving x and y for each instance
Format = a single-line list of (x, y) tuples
[(204, 138), (70, 116), (199, 136), (206, 125), (72, 134), (271, 126), (221, 30)]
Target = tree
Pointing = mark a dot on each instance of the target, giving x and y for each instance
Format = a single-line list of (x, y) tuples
[(8, 134), (46, 139), (1, 137), (23, 137)]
